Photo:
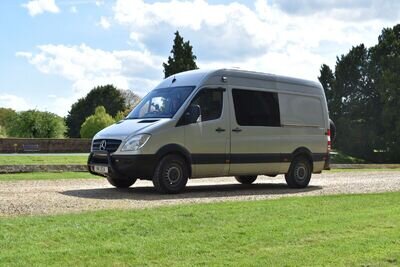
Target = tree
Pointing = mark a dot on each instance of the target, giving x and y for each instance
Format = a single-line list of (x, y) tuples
[(385, 69), (182, 58), (327, 79), (7, 115), (364, 97), (37, 124), (107, 96), (131, 99), (120, 116), (96, 122)]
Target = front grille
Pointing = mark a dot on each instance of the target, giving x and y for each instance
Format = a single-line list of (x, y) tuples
[(110, 145)]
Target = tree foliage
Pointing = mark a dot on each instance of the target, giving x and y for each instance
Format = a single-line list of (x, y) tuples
[(96, 122), (36, 124), (7, 115), (182, 58), (131, 99), (107, 96), (363, 96)]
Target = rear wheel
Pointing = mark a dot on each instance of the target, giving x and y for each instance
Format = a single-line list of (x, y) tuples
[(299, 174), (171, 175), (246, 179), (121, 182)]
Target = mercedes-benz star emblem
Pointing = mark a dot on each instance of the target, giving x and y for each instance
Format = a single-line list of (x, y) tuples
[(103, 145)]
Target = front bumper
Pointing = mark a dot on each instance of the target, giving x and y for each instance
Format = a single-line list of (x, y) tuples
[(123, 166)]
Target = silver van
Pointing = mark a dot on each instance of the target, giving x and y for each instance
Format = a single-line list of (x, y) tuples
[(216, 123)]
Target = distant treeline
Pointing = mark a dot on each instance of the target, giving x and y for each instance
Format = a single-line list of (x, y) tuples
[(363, 94)]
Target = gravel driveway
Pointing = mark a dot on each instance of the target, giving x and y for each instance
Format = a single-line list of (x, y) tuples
[(62, 196)]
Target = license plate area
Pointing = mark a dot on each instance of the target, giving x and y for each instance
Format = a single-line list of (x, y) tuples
[(100, 169)]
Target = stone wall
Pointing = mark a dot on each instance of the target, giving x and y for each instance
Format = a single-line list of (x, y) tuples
[(44, 145), (42, 168)]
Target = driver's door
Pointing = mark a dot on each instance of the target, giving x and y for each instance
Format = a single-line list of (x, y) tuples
[(208, 139)]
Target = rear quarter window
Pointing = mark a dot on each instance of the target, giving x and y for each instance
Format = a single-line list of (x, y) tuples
[(301, 110)]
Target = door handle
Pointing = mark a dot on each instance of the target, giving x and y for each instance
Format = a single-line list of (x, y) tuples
[(219, 129), (237, 130)]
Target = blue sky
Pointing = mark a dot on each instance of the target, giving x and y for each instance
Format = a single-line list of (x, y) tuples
[(54, 51)]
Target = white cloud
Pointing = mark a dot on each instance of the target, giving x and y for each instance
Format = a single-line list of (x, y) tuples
[(104, 23), (14, 102), (36, 7), (86, 67), (244, 36)]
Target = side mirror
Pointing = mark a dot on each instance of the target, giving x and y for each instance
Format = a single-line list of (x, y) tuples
[(192, 114)]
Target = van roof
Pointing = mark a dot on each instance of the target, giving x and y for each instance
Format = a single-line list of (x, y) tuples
[(195, 77)]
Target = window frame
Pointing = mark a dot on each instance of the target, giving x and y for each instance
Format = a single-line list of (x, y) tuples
[(182, 122), (260, 90)]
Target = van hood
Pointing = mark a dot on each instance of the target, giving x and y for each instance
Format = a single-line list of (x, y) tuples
[(125, 128)]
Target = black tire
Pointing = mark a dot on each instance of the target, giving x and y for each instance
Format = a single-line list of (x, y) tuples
[(121, 182), (246, 179), (171, 175), (299, 174)]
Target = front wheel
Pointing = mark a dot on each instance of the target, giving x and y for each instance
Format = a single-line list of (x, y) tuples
[(171, 175), (246, 179), (299, 174), (121, 182)]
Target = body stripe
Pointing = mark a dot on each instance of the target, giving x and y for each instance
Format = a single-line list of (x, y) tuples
[(249, 158)]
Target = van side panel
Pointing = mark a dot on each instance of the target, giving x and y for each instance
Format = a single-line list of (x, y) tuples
[(303, 121)]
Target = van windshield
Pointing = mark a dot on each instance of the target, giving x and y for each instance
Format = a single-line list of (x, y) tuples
[(161, 103)]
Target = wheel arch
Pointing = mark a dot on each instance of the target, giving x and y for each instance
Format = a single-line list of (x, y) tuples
[(305, 152), (176, 149)]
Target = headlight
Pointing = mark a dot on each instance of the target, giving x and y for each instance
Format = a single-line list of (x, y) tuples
[(136, 142)]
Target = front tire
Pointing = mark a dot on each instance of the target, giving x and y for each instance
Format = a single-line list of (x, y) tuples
[(121, 182), (171, 175), (246, 179), (299, 174)]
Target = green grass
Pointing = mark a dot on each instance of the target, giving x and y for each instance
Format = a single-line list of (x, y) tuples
[(46, 176), (351, 230), (30, 159), (361, 170), (338, 157)]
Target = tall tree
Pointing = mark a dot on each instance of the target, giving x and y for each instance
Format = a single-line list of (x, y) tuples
[(385, 61), (355, 93), (327, 79), (182, 58), (107, 96)]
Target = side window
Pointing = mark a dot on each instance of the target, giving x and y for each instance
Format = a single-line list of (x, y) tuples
[(210, 103), (256, 108)]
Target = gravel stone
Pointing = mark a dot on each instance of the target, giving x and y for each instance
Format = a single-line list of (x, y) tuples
[(42, 197)]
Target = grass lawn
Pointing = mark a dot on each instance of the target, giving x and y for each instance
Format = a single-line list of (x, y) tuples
[(338, 157), (52, 159), (46, 176), (362, 170), (361, 230)]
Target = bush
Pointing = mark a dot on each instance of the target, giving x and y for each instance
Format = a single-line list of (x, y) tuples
[(96, 122)]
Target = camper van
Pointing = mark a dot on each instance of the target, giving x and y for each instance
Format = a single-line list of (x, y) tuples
[(224, 122)]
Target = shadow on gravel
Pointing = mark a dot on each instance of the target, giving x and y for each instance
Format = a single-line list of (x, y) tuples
[(194, 191)]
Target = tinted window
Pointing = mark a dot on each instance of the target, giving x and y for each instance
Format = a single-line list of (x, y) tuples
[(210, 102), (256, 108)]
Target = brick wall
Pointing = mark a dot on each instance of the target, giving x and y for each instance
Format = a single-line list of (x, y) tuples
[(43, 145)]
